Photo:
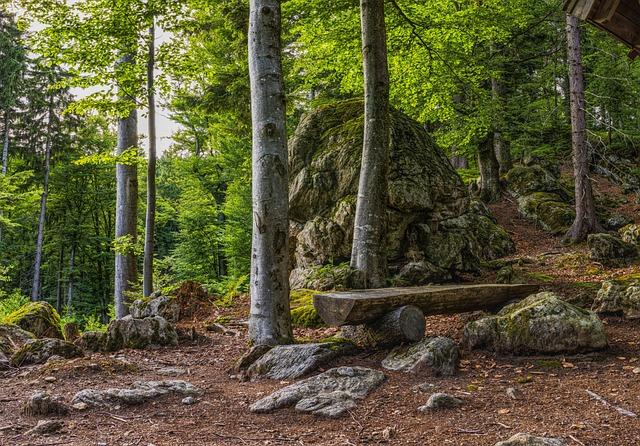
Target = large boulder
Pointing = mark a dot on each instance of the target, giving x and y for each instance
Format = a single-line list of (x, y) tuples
[(439, 356), (540, 324), (611, 250), (38, 351), (429, 213), (12, 338), (329, 394), (38, 318), (129, 332), (615, 297), (157, 305)]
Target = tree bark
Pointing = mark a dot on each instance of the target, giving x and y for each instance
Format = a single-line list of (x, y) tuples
[(368, 255), (72, 259), (500, 146), (489, 171), (586, 221), (147, 274), (270, 320), (35, 288), (5, 145), (59, 280), (404, 324), (126, 210)]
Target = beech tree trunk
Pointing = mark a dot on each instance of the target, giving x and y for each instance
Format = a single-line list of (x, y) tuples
[(150, 217), (35, 287), (5, 145), (270, 320), (500, 146), (368, 255), (586, 221), (126, 211), (489, 171), (59, 280)]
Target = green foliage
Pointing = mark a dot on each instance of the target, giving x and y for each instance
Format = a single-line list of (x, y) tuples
[(9, 303)]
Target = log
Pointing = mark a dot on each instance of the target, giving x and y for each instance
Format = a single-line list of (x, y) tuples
[(361, 306), (404, 324)]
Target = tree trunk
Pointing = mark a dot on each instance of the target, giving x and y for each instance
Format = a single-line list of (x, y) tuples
[(35, 288), (270, 320), (404, 324), (72, 259), (5, 145), (368, 254), (489, 171), (586, 221), (500, 146), (59, 280), (147, 275), (126, 211)]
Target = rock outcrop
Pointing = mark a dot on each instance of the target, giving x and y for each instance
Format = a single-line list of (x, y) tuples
[(38, 318), (611, 250), (129, 332), (438, 356), (540, 324), (430, 217), (329, 394), (38, 351), (617, 298), (157, 305), (141, 392)]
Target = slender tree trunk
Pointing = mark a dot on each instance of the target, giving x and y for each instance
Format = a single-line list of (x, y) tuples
[(59, 280), (126, 211), (489, 170), (368, 253), (5, 145), (586, 221), (35, 288), (500, 146), (72, 259), (270, 321), (150, 218)]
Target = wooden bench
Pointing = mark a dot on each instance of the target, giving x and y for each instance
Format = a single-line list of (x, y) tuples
[(391, 315)]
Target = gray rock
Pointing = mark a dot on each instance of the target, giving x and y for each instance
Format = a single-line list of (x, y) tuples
[(38, 351), (5, 363), (43, 404), (330, 393), (611, 250), (513, 393), (171, 371), (530, 440), (163, 306), (294, 361), (189, 401), (141, 392), (548, 210), (541, 323), (616, 222), (615, 297), (12, 338), (438, 355), (91, 341), (129, 332), (45, 427), (439, 401)]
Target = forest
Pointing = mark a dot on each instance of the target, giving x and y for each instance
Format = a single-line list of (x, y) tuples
[(319, 222)]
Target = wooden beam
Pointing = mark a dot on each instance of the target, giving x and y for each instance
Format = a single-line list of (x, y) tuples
[(580, 8), (361, 306)]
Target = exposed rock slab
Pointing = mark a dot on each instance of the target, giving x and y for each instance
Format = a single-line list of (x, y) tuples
[(530, 440), (38, 318), (38, 351), (141, 392), (129, 332), (439, 356), (611, 250), (328, 394), (615, 297), (541, 323), (294, 361), (163, 306)]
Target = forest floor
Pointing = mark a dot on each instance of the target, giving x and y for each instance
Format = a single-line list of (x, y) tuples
[(553, 401)]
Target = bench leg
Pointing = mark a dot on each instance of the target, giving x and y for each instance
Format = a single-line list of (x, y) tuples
[(404, 324)]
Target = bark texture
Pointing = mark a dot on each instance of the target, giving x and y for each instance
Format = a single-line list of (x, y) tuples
[(586, 221), (500, 146), (489, 171), (270, 320), (126, 210), (367, 254), (150, 217), (5, 145), (404, 324)]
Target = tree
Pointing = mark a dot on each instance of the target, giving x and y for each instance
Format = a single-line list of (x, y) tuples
[(368, 254), (586, 221), (270, 320)]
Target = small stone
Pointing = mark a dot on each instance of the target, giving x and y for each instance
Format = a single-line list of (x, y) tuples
[(636, 371), (80, 406), (514, 393), (439, 401), (439, 356), (41, 403), (530, 440), (424, 387), (189, 401), (171, 371), (50, 379), (45, 427)]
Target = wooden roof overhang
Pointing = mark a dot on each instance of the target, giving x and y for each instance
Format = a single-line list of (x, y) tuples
[(621, 18)]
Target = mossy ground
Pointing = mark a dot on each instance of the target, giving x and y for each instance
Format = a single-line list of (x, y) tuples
[(303, 314)]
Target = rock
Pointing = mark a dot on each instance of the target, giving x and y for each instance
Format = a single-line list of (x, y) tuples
[(530, 440), (171, 371), (249, 357), (541, 323), (525, 180), (547, 210), (439, 401), (329, 394), (617, 221), (189, 401), (38, 318), (139, 333), (5, 363), (38, 351), (71, 331), (429, 210), (513, 393), (422, 273), (294, 361), (45, 427), (508, 275), (43, 404), (12, 338), (437, 355), (610, 250), (141, 392), (617, 298), (630, 234), (92, 341), (163, 306)]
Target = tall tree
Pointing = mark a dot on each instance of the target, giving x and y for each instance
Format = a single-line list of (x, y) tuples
[(368, 255), (586, 221), (270, 321)]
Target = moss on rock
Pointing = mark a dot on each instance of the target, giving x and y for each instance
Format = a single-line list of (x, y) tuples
[(38, 318), (38, 351), (547, 210), (12, 338), (303, 313), (611, 250)]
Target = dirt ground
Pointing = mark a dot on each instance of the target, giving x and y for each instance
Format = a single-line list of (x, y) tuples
[(553, 400)]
